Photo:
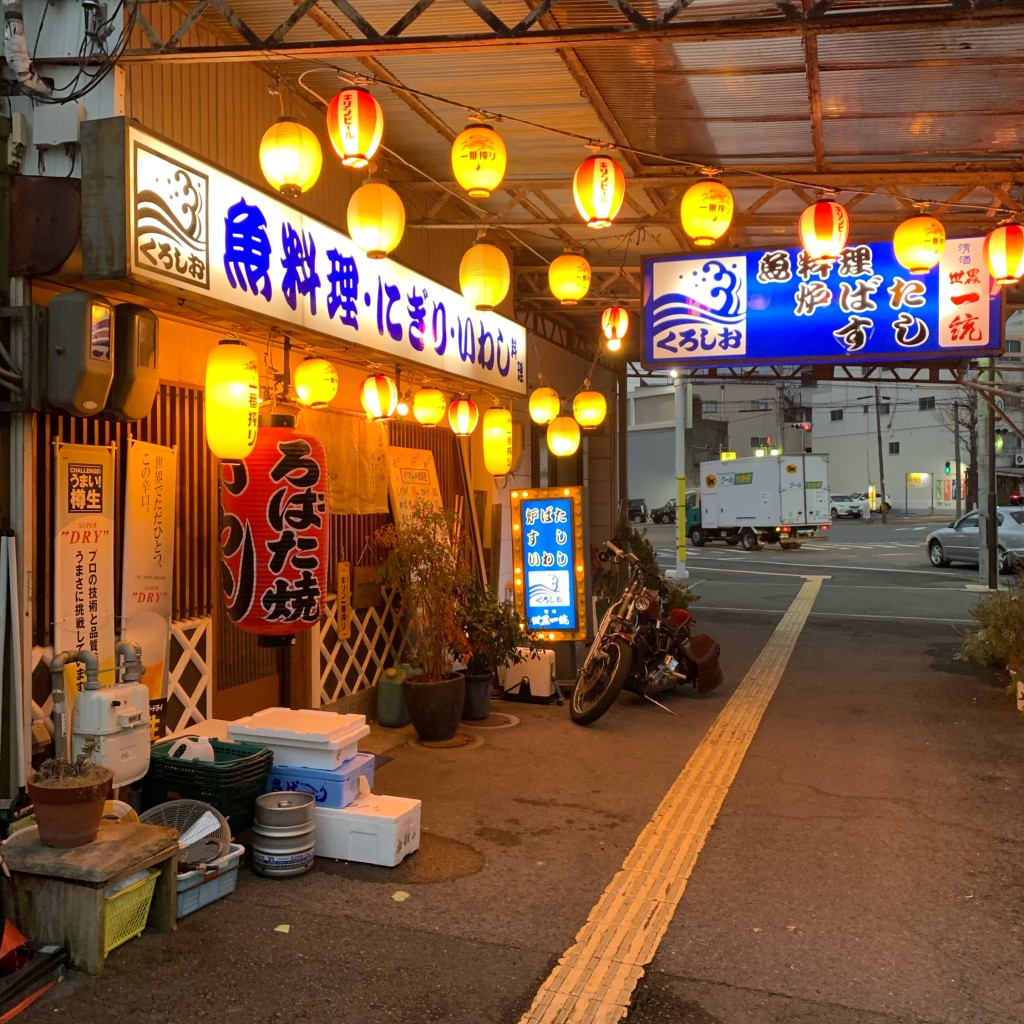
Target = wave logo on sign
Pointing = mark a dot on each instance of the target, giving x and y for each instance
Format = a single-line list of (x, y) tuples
[(704, 310), (550, 589)]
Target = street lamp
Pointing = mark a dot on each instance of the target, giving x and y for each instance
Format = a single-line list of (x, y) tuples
[(881, 464)]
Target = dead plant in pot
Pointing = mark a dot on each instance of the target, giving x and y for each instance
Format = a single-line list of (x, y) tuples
[(68, 797), (426, 566)]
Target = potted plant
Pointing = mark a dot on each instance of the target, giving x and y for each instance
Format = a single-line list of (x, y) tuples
[(425, 564), (68, 798), (495, 634)]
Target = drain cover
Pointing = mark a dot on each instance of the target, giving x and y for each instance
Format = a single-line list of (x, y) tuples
[(495, 720), (437, 860), (460, 739)]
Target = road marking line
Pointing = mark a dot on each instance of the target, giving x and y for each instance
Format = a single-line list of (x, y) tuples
[(594, 980)]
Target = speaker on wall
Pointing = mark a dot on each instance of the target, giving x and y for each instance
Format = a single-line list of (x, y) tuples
[(79, 357), (135, 362)]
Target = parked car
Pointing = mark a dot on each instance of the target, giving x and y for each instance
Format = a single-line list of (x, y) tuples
[(960, 540), (664, 513), (863, 496), (638, 510), (843, 505)]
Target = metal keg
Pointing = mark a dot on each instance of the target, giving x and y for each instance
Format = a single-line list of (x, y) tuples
[(283, 834)]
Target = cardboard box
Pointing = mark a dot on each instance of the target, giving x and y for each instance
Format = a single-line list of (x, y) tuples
[(335, 788), (372, 830)]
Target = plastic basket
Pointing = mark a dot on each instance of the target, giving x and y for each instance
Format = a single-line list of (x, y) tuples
[(125, 912), (229, 758), (199, 888), (236, 801)]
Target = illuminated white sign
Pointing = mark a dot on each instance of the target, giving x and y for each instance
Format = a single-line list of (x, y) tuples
[(194, 227)]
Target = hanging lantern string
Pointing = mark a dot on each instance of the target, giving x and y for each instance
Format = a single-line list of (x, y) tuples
[(589, 141)]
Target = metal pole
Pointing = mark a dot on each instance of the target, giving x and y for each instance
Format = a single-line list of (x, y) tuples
[(991, 526), (679, 395), (956, 459), (881, 464), (621, 524)]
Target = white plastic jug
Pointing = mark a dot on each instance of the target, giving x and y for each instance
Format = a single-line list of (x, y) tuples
[(192, 748)]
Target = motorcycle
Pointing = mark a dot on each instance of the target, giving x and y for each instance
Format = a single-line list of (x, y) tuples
[(640, 648)]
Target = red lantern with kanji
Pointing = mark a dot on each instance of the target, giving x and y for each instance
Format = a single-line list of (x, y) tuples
[(273, 533), (355, 124), (824, 228), (1004, 253)]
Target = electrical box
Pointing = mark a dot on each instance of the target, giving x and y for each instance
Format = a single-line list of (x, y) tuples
[(135, 363), (79, 358)]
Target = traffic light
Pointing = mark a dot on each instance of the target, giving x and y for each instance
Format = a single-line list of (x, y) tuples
[(949, 467), (801, 426)]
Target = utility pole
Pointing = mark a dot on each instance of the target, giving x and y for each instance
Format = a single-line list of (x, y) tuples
[(681, 391), (881, 464)]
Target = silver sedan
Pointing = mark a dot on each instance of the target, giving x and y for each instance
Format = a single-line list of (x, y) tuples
[(960, 541)]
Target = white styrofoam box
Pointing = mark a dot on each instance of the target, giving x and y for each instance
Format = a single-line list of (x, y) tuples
[(373, 829), (537, 670), (308, 739), (336, 788)]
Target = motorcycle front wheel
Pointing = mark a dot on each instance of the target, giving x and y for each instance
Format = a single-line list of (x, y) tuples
[(601, 682)]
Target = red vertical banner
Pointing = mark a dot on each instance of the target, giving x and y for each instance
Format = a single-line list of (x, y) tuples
[(274, 533)]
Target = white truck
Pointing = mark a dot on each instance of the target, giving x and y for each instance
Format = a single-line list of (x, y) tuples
[(762, 500)]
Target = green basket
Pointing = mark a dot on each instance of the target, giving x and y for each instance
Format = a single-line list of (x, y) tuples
[(236, 799), (125, 913), (229, 756)]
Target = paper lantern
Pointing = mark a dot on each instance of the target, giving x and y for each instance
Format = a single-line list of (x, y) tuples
[(497, 431), (918, 243), (484, 276), (569, 278), (428, 406), (545, 405), (589, 408), (614, 324), (376, 219), (462, 416), (232, 400), (563, 436), (273, 533), (1004, 253), (355, 124), (824, 228), (379, 396), (598, 186), (290, 157), (478, 160), (315, 381), (705, 211)]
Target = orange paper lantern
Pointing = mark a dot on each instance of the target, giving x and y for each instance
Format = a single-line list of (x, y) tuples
[(379, 396), (705, 211), (918, 242), (497, 431), (462, 416), (478, 160)]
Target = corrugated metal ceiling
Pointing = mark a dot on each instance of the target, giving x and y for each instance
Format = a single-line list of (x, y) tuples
[(854, 95)]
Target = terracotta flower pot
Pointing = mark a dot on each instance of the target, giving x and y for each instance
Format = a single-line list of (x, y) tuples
[(68, 814)]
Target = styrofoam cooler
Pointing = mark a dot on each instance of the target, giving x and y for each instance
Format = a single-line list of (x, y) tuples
[(335, 788), (308, 739), (373, 829), (534, 676)]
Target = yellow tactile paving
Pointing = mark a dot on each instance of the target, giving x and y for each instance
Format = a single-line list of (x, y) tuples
[(594, 980)]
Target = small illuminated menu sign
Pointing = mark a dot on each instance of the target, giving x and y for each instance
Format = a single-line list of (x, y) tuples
[(547, 554)]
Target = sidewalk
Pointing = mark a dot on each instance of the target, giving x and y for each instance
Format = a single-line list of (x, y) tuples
[(863, 868)]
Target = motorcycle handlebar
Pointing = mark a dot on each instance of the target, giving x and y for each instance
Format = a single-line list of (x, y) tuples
[(619, 553)]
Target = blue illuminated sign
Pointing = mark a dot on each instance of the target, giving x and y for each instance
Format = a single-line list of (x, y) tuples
[(548, 562), (782, 307)]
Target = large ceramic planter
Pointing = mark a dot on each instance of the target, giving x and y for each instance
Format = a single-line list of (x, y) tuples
[(435, 707), (69, 815), (477, 705)]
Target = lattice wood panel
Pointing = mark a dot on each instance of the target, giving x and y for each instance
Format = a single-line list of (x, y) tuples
[(189, 689), (346, 666)]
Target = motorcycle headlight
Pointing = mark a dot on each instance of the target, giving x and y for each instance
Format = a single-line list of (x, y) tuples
[(643, 602)]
